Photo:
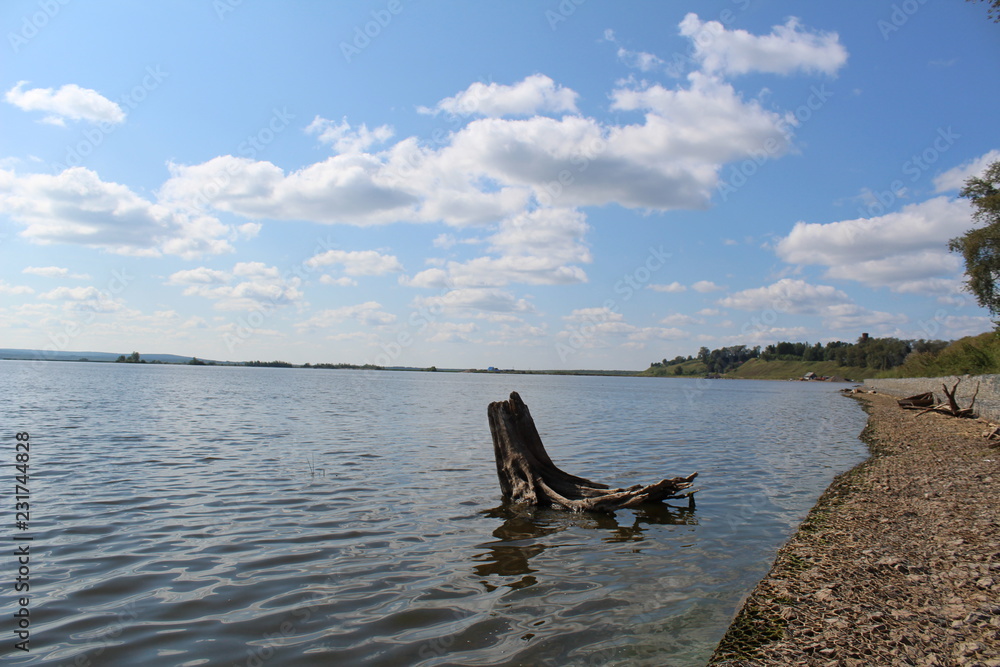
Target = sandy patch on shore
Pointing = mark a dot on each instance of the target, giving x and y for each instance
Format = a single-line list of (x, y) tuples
[(898, 563)]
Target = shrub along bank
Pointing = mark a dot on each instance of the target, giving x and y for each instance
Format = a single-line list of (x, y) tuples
[(867, 358)]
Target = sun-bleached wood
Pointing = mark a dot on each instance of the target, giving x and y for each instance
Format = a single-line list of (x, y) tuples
[(528, 475)]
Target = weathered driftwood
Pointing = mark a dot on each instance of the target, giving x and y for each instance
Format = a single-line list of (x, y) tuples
[(924, 400), (528, 475), (951, 407)]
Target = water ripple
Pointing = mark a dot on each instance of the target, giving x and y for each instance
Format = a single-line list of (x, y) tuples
[(231, 516)]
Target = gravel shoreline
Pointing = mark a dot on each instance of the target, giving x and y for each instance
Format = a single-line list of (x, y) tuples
[(897, 564)]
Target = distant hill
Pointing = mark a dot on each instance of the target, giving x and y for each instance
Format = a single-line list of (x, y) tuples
[(51, 355), (758, 369)]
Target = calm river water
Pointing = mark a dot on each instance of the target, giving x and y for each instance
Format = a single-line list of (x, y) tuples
[(256, 516)]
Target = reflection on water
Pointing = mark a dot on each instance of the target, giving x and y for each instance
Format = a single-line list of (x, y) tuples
[(236, 516), (518, 536)]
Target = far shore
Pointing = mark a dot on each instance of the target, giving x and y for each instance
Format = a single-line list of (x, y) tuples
[(176, 360)]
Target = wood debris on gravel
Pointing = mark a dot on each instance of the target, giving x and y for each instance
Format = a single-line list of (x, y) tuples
[(897, 564)]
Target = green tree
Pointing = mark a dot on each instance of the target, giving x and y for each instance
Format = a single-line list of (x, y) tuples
[(814, 353), (980, 247), (133, 358)]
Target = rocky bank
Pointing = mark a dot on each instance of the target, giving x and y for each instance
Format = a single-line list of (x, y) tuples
[(898, 563)]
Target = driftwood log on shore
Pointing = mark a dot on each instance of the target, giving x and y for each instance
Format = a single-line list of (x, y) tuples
[(924, 400), (528, 475), (950, 408)]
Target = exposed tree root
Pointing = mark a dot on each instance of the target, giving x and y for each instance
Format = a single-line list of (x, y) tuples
[(951, 407)]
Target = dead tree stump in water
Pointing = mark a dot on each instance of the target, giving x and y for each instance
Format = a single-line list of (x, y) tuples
[(528, 475)]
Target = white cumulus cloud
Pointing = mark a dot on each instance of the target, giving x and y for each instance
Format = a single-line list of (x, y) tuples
[(786, 295), (450, 332), (705, 286), (680, 320), (343, 281), (542, 247), (852, 317), (248, 286), (66, 102), (345, 188), (955, 178), (77, 207), (895, 250), (535, 94), (788, 48), (671, 288), (641, 60), (369, 313), (798, 297), (345, 139), (7, 288), (507, 156), (357, 262), (471, 298), (54, 272)]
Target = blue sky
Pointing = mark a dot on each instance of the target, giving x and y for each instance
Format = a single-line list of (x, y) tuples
[(532, 185)]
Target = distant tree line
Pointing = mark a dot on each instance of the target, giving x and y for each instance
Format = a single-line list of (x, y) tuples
[(876, 353), (135, 358), (285, 364)]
